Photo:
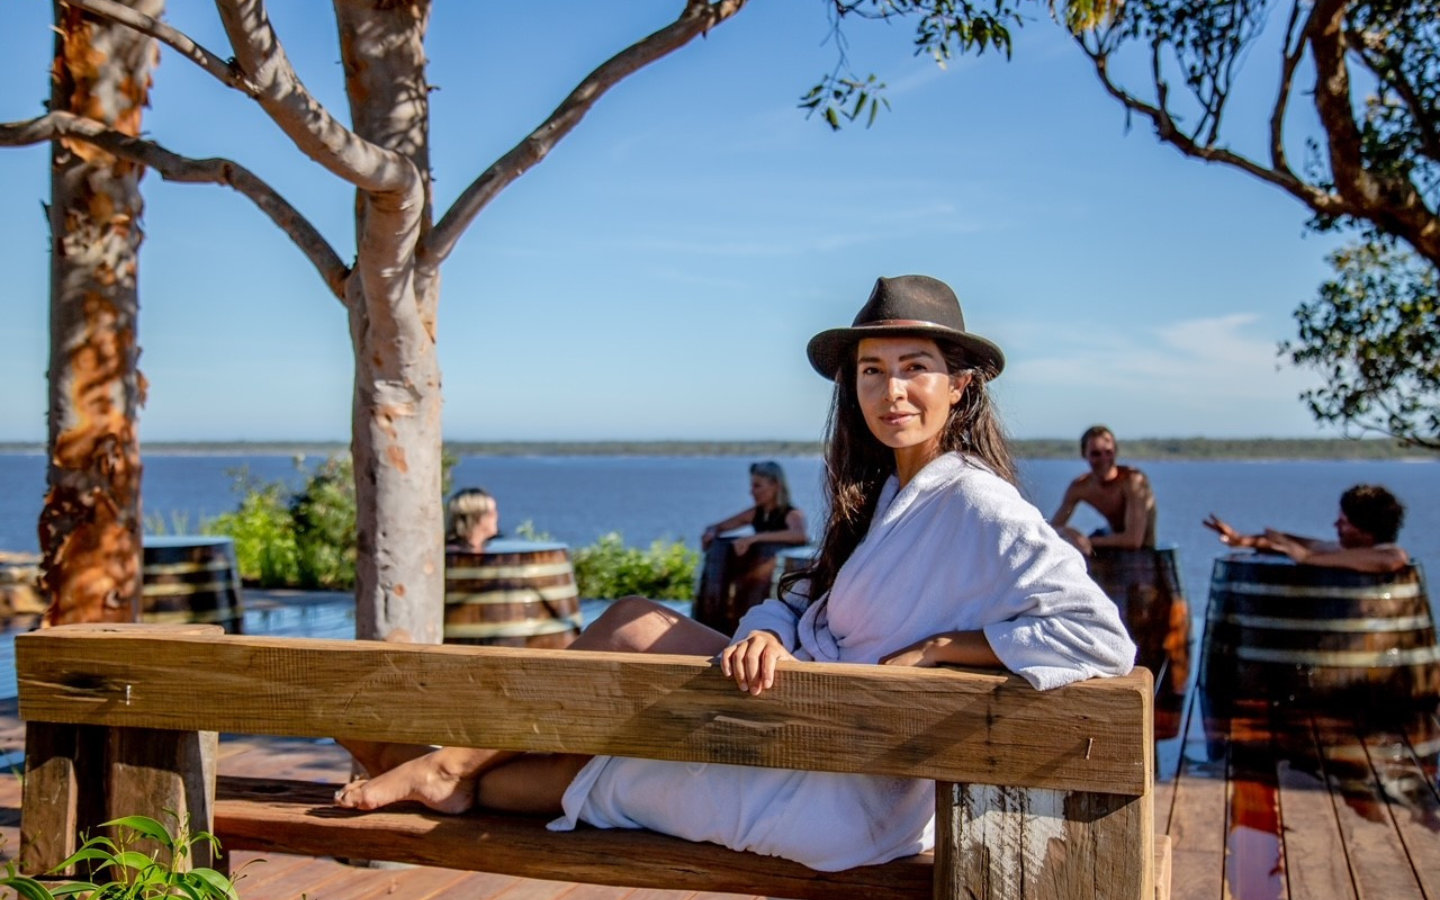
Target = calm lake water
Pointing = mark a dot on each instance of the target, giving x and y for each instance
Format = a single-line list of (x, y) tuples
[(577, 499)]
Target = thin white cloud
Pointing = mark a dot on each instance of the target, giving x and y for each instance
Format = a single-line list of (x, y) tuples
[(1212, 375)]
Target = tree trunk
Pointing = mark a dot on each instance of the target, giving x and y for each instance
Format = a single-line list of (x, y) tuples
[(392, 298), (91, 524)]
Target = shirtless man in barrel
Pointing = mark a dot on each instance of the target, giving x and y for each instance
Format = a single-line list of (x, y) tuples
[(1121, 494), (1365, 533)]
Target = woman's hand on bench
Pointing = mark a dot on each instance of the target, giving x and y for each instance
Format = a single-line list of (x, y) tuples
[(751, 662)]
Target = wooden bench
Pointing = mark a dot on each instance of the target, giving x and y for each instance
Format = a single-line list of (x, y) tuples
[(1039, 795)]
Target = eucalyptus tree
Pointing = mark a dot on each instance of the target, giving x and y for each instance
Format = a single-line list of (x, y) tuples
[(1371, 71), (390, 291), (90, 527)]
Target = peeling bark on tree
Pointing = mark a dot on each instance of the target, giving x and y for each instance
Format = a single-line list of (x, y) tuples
[(91, 524), (395, 416)]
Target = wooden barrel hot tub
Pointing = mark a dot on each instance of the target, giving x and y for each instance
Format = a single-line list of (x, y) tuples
[(1318, 636), (791, 559), (1145, 585), (190, 578), (730, 584), (515, 594)]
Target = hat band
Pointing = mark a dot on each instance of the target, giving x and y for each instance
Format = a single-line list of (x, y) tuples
[(903, 323)]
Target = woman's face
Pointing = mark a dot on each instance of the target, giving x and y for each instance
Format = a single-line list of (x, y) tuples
[(764, 490), (905, 391)]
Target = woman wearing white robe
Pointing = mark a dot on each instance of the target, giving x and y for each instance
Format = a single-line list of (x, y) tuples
[(930, 556)]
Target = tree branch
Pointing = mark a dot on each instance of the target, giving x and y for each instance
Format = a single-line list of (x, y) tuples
[(1392, 203), (1294, 50), (172, 37), (295, 110), (697, 19), (1166, 131), (1373, 54), (172, 167)]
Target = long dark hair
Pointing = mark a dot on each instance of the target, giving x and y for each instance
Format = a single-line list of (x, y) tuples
[(857, 464)]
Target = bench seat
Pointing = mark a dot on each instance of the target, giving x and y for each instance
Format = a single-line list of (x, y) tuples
[(298, 817)]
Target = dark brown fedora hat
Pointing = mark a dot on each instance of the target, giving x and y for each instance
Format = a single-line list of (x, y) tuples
[(905, 305)]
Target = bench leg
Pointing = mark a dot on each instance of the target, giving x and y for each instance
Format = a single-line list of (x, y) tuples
[(168, 776), (62, 793), (77, 776), (1002, 843)]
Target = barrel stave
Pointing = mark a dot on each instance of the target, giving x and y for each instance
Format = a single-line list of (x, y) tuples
[(191, 579), (516, 594), (1319, 637)]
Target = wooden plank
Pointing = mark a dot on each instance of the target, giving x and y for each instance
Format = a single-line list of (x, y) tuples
[(1197, 818), (51, 797), (1162, 867), (1254, 843), (64, 771), (1378, 862), (296, 817), (1316, 867), (1254, 849), (417, 883), (168, 776), (949, 725), (1413, 804), (1001, 843)]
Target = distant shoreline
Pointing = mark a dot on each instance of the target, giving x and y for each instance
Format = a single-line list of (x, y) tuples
[(1138, 449)]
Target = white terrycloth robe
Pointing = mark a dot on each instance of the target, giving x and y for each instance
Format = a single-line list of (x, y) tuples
[(957, 550)]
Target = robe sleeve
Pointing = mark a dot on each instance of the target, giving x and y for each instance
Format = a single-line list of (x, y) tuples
[(771, 615), (1049, 649), (1053, 624)]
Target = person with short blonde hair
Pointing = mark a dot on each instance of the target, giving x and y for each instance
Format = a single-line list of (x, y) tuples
[(472, 517)]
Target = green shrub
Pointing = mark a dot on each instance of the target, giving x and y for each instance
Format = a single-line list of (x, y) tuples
[(134, 875), (608, 569), (323, 518), (301, 540), (263, 534)]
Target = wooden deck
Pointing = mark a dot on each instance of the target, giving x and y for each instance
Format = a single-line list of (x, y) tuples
[(1264, 805)]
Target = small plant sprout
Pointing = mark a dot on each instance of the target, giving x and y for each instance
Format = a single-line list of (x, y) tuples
[(133, 874)]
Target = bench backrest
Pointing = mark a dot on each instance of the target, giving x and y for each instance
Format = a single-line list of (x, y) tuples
[(1067, 761)]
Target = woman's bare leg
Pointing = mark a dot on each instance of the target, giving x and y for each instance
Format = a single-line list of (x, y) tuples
[(452, 779)]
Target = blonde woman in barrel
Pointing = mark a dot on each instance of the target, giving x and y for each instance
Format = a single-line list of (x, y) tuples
[(472, 518), (774, 518)]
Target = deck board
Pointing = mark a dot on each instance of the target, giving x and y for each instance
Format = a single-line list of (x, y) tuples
[(1316, 864), (1378, 861), (1417, 819), (1254, 843)]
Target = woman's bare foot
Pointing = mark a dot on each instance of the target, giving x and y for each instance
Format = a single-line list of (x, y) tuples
[(379, 757), (443, 780)]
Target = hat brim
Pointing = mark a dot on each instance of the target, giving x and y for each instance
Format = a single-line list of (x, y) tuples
[(828, 349)]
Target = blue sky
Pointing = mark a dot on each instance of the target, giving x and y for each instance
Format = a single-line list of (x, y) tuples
[(658, 275)]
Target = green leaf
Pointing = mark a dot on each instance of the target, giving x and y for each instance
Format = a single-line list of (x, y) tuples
[(146, 826), (192, 891), (72, 888), (217, 883), (133, 859), (26, 887), (83, 854)]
